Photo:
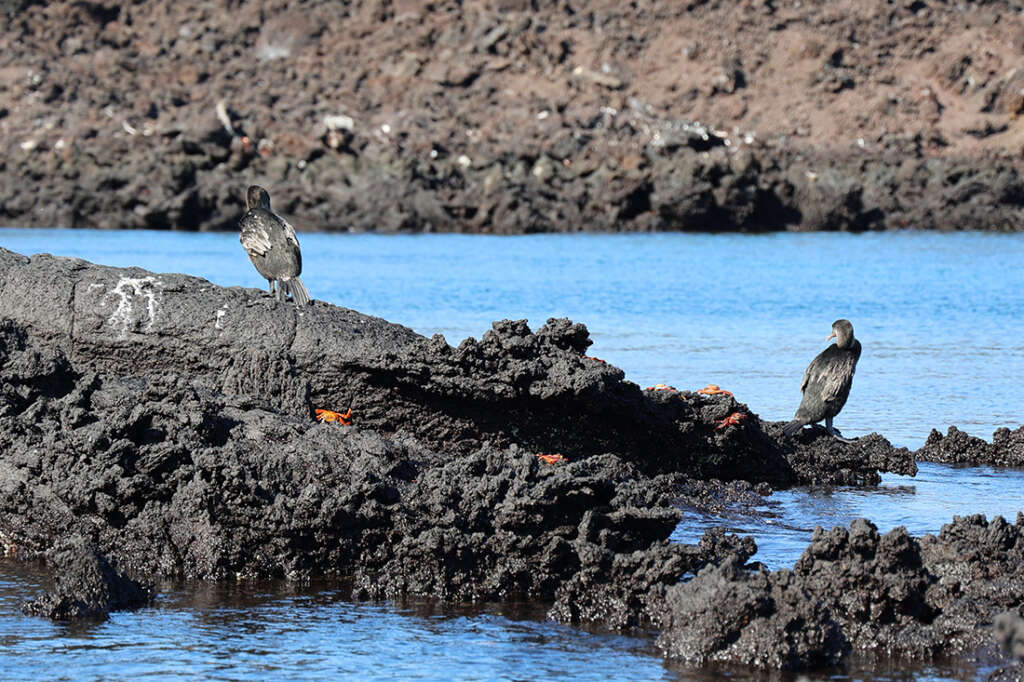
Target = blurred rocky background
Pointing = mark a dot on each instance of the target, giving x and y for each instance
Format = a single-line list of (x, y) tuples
[(508, 116)]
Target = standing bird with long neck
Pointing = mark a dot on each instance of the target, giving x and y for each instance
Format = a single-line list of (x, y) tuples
[(827, 381), (272, 246)]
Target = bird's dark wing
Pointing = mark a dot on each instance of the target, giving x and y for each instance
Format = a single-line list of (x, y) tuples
[(837, 383), (831, 373), (253, 236), (289, 232)]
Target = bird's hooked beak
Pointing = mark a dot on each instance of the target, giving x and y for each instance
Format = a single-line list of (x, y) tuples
[(831, 336)]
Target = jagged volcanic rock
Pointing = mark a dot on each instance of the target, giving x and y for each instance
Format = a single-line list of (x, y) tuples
[(513, 386), (170, 423), (855, 589), (511, 117), (957, 447), (1009, 633), (87, 586)]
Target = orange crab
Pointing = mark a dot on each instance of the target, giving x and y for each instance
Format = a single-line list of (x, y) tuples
[(662, 387), (552, 459), (732, 420), (344, 418), (713, 389), (591, 357)]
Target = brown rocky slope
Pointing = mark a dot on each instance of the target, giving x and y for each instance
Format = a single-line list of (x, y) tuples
[(506, 116)]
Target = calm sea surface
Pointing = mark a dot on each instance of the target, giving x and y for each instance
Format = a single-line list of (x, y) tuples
[(938, 315)]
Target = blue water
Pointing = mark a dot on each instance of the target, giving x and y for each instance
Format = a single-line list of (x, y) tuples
[(921, 504), (280, 631), (943, 344)]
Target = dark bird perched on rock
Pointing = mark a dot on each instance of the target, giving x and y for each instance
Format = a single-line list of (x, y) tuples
[(827, 381), (272, 246)]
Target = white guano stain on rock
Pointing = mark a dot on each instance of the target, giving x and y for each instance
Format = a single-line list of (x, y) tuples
[(126, 292)]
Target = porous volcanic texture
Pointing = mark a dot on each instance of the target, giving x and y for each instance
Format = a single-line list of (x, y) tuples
[(1009, 633), (513, 386), (506, 116), (170, 422), (167, 423), (888, 595), (87, 586), (957, 447)]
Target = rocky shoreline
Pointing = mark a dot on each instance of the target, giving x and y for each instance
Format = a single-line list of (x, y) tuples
[(86, 587), (500, 117), (958, 447), (158, 426)]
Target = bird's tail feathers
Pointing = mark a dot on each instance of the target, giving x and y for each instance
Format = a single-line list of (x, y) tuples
[(297, 290), (792, 428)]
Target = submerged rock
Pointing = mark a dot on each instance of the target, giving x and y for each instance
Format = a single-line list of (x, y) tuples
[(87, 586)]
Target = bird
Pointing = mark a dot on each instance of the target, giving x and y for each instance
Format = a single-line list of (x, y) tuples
[(827, 381), (272, 246)]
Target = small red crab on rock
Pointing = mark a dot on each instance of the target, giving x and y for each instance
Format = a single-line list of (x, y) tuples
[(713, 389), (732, 420), (591, 357), (662, 387), (344, 418), (552, 459)]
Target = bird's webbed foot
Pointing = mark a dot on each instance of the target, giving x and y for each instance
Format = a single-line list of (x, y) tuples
[(834, 432)]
